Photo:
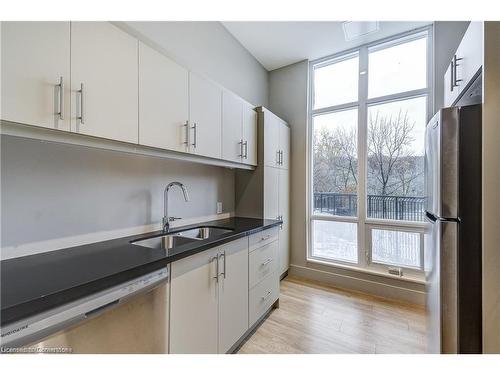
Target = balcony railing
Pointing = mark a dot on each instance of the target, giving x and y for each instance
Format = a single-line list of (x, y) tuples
[(390, 207)]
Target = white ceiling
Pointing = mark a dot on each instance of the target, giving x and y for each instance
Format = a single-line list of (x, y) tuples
[(277, 44)]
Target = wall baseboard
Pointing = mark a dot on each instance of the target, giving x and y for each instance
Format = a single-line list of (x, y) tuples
[(384, 290), (32, 248)]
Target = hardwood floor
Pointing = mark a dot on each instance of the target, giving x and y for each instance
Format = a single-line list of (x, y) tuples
[(314, 318)]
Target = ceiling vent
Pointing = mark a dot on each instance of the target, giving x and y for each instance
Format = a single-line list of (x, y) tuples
[(357, 29)]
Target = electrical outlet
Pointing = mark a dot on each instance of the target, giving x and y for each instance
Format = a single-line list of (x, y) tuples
[(219, 207)]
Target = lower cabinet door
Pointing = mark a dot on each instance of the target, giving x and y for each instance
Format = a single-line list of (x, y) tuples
[(262, 296), (233, 293), (193, 304)]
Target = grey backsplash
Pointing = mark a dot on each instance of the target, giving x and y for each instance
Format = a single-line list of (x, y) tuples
[(49, 190)]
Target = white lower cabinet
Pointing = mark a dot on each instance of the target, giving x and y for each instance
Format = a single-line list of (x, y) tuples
[(193, 304), (263, 274), (262, 297), (263, 262), (284, 214), (209, 299), (233, 293)]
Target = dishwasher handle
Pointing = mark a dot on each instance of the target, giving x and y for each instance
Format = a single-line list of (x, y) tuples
[(102, 308)]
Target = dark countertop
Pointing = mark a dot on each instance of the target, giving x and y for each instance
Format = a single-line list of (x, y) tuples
[(36, 283)]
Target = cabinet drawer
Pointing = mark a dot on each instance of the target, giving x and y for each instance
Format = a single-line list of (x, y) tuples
[(263, 238), (262, 296), (263, 262)]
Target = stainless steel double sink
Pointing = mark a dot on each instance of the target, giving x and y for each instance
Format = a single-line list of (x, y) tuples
[(173, 240)]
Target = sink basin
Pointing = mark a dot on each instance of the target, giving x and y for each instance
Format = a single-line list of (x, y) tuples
[(164, 242), (202, 233), (173, 240)]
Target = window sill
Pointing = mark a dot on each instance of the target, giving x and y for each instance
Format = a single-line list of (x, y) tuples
[(410, 278)]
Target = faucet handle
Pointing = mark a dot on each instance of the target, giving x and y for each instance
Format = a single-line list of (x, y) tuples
[(172, 218)]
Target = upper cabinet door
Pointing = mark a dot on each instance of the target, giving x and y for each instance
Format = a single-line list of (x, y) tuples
[(249, 135), (284, 145), (271, 140), (36, 73), (232, 142), (470, 54), (205, 117), (104, 86), (163, 101)]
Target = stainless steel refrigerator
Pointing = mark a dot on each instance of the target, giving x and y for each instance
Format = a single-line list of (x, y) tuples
[(452, 246)]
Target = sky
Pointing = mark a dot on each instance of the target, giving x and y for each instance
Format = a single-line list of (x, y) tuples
[(390, 70)]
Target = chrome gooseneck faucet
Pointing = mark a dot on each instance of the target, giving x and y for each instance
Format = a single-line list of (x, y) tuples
[(167, 219)]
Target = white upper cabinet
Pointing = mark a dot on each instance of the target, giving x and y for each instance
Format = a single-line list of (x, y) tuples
[(249, 134), (276, 141), (465, 63), (284, 145), (104, 87), (271, 140), (232, 116), (239, 130), (36, 73), (95, 79), (205, 117), (163, 101)]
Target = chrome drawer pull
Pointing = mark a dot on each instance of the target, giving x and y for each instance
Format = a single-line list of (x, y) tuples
[(267, 262), (216, 259), (81, 117), (223, 255), (266, 237), (266, 296), (186, 125), (60, 87)]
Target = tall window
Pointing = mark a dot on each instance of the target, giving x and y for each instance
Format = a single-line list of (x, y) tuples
[(368, 115)]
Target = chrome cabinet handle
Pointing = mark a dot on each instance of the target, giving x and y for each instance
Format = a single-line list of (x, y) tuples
[(281, 157), (246, 149), (455, 65), (60, 90), (278, 155), (241, 148), (194, 135), (266, 296), (223, 255), (265, 238), (216, 259), (266, 262), (186, 125), (82, 108), (452, 82)]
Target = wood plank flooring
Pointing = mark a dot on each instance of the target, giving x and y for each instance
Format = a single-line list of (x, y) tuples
[(314, 318)]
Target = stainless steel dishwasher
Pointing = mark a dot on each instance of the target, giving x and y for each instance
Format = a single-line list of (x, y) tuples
[(129, 318)]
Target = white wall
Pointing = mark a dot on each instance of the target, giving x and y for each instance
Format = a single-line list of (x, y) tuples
[(491, 195), (52, 191), (208, 48)]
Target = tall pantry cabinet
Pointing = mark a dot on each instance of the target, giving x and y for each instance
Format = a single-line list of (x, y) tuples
[(264, 193)]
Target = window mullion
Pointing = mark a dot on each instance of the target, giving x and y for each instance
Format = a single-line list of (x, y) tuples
[(362, 133)]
